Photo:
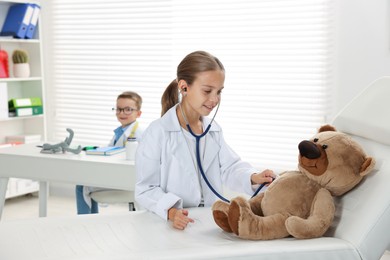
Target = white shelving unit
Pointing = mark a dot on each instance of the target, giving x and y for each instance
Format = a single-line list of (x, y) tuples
[(32, 86)]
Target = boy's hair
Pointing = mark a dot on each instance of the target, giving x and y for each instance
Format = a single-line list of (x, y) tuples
[(133, 96)]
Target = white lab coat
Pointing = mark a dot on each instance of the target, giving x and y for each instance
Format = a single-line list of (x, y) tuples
[(123, 139), (165, 170)]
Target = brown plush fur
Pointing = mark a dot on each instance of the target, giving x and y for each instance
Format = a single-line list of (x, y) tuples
[(300, 203)]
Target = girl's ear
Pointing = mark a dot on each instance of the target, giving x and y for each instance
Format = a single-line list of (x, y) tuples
[(182, 85)]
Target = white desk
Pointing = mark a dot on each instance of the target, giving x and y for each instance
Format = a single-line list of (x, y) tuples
[(26, 161)]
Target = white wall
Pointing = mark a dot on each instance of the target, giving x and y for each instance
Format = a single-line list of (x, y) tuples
[(363, 46)]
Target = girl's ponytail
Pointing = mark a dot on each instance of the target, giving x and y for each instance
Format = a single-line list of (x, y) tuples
[(170, 97)]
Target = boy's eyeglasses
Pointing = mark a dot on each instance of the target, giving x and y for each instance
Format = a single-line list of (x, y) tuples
[(125, 110)]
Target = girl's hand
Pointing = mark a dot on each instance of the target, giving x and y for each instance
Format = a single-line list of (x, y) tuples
[(179, 217), (266, 176)]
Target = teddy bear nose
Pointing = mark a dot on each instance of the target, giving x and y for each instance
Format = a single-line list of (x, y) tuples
[(309, 150)]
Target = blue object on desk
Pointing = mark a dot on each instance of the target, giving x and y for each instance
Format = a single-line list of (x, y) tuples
[(109, 150), (17, 20)]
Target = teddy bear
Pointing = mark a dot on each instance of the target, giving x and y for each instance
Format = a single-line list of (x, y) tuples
[(300, 203)]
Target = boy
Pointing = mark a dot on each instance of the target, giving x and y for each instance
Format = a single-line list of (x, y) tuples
[(128, 109)]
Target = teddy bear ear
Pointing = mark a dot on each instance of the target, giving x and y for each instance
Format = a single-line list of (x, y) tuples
[(367, 166), (326, 128)]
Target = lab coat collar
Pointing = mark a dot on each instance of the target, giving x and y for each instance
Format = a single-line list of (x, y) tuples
[(171, 123)]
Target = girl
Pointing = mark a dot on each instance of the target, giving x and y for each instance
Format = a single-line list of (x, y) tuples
[(168, 177)]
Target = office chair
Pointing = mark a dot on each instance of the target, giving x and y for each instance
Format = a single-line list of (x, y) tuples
[(115, 196)]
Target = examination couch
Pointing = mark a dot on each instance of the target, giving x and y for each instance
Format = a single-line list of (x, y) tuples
[(361, 228)]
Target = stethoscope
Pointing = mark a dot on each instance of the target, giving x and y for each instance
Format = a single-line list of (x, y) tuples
[(197, 138)]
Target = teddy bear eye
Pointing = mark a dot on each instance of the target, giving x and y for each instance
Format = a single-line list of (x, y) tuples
[(315, 140), (324, 146)]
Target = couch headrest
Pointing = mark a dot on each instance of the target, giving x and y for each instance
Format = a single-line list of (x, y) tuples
[(367, 115)]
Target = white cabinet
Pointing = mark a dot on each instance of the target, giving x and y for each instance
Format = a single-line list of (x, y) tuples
[(12, 87)]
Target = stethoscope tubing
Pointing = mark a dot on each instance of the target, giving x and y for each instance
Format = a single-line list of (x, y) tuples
[(197, 139)]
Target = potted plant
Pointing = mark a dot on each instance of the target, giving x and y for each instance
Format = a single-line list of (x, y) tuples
[(21, 68)]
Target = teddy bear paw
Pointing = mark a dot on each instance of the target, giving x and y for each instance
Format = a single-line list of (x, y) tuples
[(236, 209), (220, 213)]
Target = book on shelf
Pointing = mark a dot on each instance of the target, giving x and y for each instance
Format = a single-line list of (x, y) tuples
[(24, 102), (26, 111), (23, 139), (33, 22), (109, 150), (17, 21)]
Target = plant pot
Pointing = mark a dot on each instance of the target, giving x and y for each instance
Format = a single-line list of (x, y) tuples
[(21, 70)]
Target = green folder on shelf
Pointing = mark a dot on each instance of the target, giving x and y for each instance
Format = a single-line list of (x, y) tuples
[(24, 102), (26, 111)]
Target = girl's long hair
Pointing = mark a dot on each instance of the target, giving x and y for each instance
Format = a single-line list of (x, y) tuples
[(189, 67)]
